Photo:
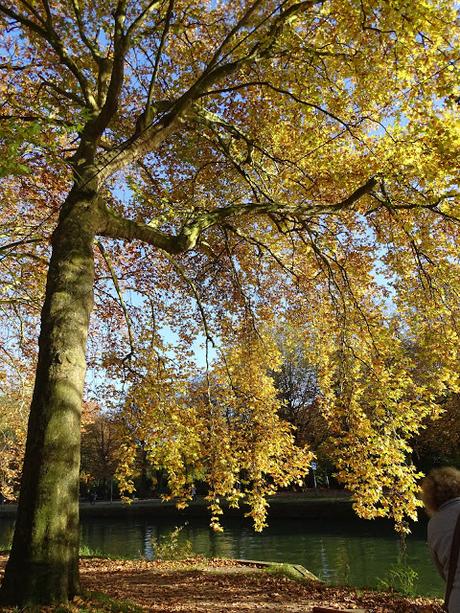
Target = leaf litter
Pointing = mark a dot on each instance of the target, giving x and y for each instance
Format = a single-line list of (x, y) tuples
[(201, 585)]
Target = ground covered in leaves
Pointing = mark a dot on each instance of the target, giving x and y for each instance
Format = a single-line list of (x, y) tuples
[(217, 586)]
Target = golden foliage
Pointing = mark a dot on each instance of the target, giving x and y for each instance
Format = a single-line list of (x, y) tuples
[(225, 430)]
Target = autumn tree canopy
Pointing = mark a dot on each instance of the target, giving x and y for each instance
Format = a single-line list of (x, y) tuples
[(214, 169)]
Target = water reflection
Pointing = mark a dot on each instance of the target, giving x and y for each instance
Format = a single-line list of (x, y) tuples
[(357, 553)]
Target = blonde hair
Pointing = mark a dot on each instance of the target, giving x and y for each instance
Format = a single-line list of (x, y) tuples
[(441, 485)]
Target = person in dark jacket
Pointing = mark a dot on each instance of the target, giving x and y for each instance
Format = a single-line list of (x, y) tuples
[(441, 496)]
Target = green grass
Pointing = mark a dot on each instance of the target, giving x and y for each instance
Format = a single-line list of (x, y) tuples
[(85, 551), (171, 547), (88, 552), (5, 544), (400, 578), (289, 571)]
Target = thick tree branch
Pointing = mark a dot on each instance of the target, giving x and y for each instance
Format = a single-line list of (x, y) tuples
[(25, 21), (95, 127), (49, 18), (33, 10), (127, 229), (111, 74), (208, 219), (121, 228)]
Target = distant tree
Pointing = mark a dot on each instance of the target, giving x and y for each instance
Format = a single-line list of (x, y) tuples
[(439, 443), (296, 383), (15, 395), (13, 428), (99, 448)]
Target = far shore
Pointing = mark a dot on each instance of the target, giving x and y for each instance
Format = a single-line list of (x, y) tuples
[(314, 504)]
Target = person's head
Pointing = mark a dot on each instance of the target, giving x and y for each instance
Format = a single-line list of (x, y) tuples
[(441, 485)]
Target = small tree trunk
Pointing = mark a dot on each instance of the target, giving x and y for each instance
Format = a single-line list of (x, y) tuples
[(43, 565)]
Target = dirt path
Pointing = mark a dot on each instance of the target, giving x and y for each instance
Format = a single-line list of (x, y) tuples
[(221, 586)]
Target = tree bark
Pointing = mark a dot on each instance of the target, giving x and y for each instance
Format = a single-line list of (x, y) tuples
[(43, 565)]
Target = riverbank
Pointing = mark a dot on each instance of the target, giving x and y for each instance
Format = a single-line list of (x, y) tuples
[(334, 505), (323, 504), (201, 585), (298, 506)]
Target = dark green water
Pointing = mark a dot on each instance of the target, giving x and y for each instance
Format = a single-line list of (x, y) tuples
[(351, 552)]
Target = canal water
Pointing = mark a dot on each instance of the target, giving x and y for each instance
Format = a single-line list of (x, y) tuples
[(355, 552)]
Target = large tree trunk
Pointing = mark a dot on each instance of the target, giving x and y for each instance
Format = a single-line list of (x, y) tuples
[(43, 565)]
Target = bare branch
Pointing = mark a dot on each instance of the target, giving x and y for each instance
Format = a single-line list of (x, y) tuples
[(116, 284), (52, 38), (34, 118), (63, 92), (284, 92), (233, 32), (158, 55), (81, 30), (263, 247), (16, 67), (140, 19), (20, 242), (182, 272)]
